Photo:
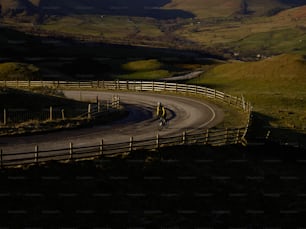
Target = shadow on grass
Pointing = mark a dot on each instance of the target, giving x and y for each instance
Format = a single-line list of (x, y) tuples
[(185, 187), (139, 8), (260, 129)]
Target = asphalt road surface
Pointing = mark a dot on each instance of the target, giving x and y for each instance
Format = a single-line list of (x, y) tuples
[(183, 113)]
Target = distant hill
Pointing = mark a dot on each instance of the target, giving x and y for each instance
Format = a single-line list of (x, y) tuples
[(278, 69), (224, 8), (162, 9), (141, 8)]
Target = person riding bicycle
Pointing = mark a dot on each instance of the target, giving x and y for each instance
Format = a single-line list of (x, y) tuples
[(161, 113)]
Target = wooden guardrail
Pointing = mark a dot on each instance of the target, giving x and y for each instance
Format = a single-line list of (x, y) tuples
[(154, 86), (11, 117), (212, 136)]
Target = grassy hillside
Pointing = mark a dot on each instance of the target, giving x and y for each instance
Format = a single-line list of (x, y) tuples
[(159, 9), (107, 28), (218, 25), (18, 71), (225, 8), (281, 33), (206, 8), (34, 101), (275, 86), (143, 70)]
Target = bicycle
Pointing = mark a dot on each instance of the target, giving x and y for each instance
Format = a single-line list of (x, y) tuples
[(162, 123)]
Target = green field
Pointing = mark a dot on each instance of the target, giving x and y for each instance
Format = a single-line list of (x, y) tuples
[(19, 71), (275, 87), (104, 27), (144, 70)]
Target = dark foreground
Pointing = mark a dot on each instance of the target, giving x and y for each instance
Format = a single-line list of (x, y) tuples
[(181, 187)]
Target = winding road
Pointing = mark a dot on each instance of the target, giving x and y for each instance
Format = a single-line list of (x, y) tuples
[(184, 114)]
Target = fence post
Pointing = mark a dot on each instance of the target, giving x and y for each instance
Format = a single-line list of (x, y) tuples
[(131, 144), (51, 113), (101, 147), (36, 154), (1, 158), (206, 137), (268, 135), (118, 102), (70, 151), (89, 111), (99, 106), (63, 114), (237, 136), (184, 137), (243, 102), (4, 117)]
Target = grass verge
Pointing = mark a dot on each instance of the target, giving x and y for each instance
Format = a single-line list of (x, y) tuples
[(20, 105), (274, 86)]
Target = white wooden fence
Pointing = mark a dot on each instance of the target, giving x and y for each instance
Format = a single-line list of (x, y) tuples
[(215, 137), (239, 102)]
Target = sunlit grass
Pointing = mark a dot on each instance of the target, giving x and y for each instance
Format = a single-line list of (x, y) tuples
[(104, 26), (142, 65), (276, 87), (19, 71), (146, 75)]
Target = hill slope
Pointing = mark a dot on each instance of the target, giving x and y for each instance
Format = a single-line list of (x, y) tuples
[(161, 9), (224, 8), (18, 71), (275, 87)]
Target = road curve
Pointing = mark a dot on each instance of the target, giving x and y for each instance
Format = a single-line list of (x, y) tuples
[(184, 114)]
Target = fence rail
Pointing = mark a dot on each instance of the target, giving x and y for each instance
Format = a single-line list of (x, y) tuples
[(10, 117), (215, 137), (237, 101)]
